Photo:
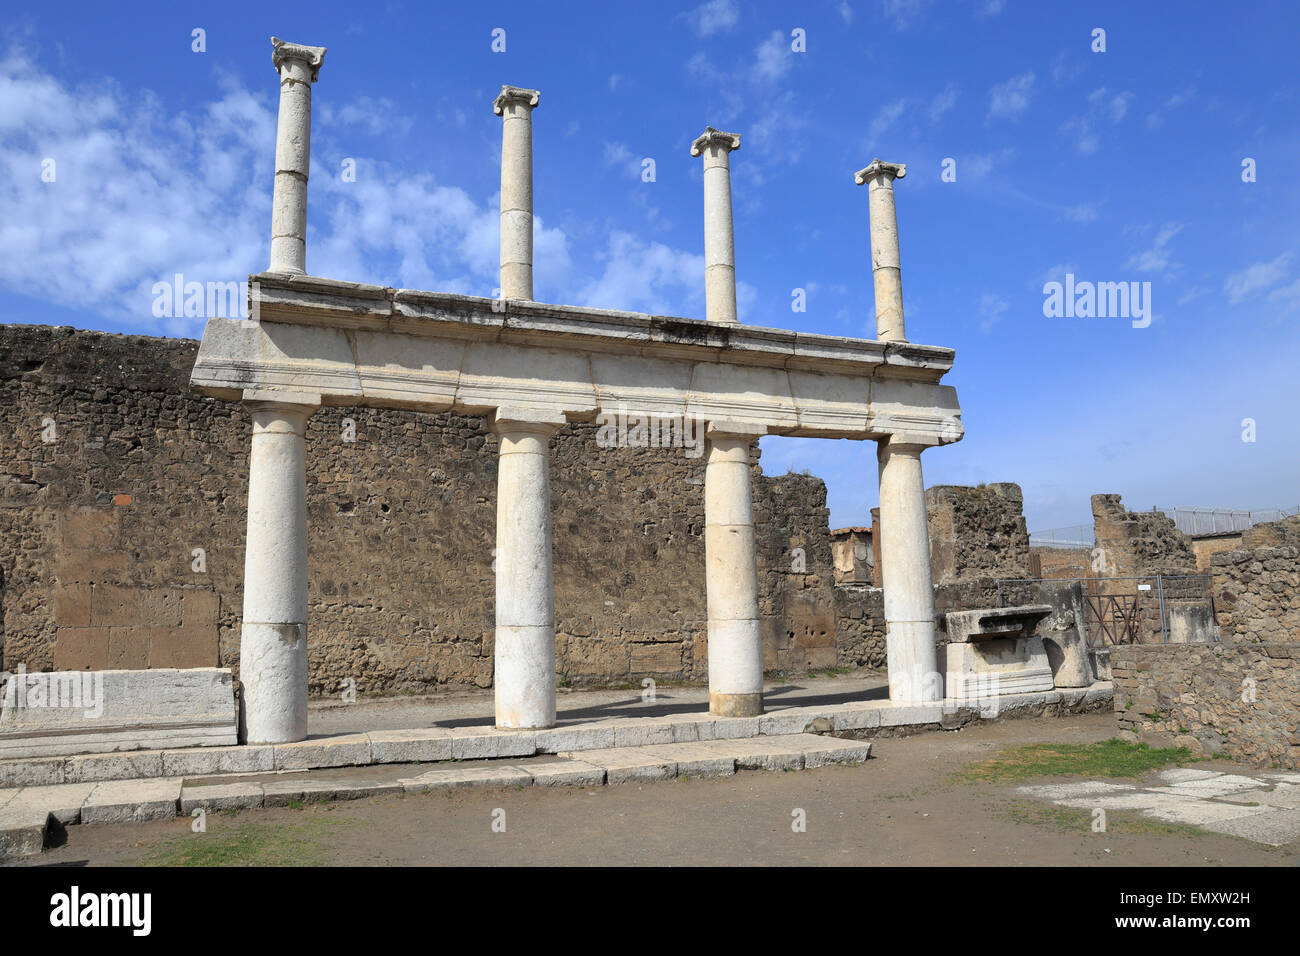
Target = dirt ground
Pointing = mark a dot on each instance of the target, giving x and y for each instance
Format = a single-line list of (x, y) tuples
[(902, 807)]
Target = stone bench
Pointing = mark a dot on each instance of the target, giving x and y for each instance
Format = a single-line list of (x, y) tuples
[(56, 713)]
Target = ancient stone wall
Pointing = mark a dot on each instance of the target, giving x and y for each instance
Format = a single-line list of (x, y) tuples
[(1255, 593), (1242, 700), (1139, 542), (977, 532), (122, 513)]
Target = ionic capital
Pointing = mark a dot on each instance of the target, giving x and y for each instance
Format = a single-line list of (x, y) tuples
[(515, 94), (877, 167), (715, 137), (281, 51)]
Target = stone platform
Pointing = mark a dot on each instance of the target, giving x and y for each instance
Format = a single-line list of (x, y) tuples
[(159, 784)]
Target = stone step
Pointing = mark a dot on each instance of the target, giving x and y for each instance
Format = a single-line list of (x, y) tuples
[(26, 812), (486, 742)]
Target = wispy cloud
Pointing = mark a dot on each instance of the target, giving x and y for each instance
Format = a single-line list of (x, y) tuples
[(1158, 257), (1243, 284), (1007, 100), (716, 16), (903, 12)]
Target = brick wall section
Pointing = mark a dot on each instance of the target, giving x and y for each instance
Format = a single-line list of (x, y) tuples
[(1192, 695), (977, 532), (97, 530), (1255, 593)]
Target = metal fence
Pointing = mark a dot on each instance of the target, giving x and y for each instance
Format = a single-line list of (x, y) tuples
[(1140, 609), (1075, 536), (1221, 520)]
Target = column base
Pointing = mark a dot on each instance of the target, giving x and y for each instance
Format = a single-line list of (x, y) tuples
[(735, 705)]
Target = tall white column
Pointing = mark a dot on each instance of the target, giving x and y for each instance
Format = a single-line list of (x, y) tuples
[(515, 106), (273, 639), (905, 566), (719, 236), (885, 266), (525, 598), (731, 575), (298, 67)]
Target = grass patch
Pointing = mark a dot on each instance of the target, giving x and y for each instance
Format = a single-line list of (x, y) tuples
[(251, 844), (1071, 820), (1106, 758)]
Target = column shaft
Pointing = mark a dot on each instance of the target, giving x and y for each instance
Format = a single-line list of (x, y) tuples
[(525, 602), (885, 264), (273, 641), (905, 566), (515, 107), (719, 237), (298, 67), (731, 581)]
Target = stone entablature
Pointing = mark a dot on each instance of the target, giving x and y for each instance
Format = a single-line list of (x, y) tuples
[(351, 344)]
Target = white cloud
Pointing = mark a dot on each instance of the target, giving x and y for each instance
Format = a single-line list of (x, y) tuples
[(1157, 258), (991, 309), (713, 17), (1101, 107), (647, 277), (885, 118), (903, 12), (990, 8), (846, 12), (1007, 100), (943, 102), (1255, 278), (773, 58)]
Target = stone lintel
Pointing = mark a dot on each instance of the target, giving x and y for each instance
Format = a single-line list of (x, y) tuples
[(515, 94), (282, 50), (879, 167), (714, 137)]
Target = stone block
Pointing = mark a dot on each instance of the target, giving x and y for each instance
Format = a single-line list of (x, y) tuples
[(214, 761), (128, 648), (81, 648), (350, 750), (566, 773), (486, 743), (410, 746), (579, 737), (132, 801), (486, 775), (229, 796), (113, 605), (22, 833)]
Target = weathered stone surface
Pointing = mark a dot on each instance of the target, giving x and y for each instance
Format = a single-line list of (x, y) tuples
[(410, 746), (112, 710), (566, 773), (22, 832), (351, 750), (132, 801), (1242, 700), (489, 775), (229, 796)]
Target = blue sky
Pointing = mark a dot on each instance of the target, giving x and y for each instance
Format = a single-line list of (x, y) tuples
[(1115, 166)]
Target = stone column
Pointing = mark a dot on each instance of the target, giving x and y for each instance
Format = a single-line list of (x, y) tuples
[(731, 574), (719, 238), (515, 106), (298, 67), (524, 658), (905, 568), (273, 640), (879, 178)]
